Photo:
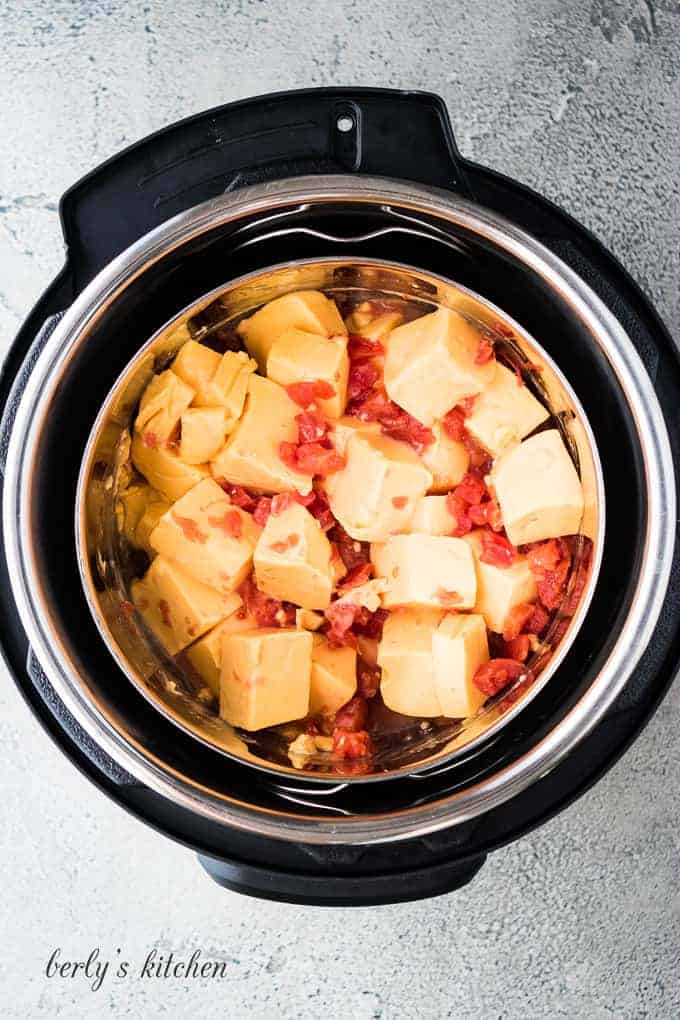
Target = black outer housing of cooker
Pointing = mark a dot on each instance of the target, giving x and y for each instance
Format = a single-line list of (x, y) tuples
[(393, 134)]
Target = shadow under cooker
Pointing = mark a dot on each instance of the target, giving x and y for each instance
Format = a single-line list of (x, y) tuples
[(446, 857)]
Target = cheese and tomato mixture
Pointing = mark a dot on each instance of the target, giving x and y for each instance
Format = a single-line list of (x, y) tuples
[(350, 512)]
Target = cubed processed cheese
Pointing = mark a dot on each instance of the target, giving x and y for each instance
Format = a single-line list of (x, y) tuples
[(228, 386), (209, 537), (405, 657), (459, 647), (307, 619), (538, 489), (446, 458), (367, 595), (499, 589), (265, 677), (196, 364), (164, 470), (432, 517), (147, 523), (293, 559), (296, 356), (251, 456), (374, 494), (346, 427), (205, 655), (333, 679), (203, 433), (504, 413), (309, 310), (177, 607), (430, 364), (426, 570), (161, 407)]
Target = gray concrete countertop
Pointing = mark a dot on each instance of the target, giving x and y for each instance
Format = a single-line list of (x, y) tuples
[(580, 100)]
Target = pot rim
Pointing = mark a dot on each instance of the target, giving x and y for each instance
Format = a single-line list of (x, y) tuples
[(654, 574)]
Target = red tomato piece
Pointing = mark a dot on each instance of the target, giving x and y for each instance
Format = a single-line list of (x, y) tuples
[(403, 426), (239, 496), (485, 352), (538, 621), (341, 616), (314, 459), (352, 745), (467, 405), (471, 489), (351, 550), (371, 624), (368, 679), (487, 513), (305, 393), (312, 428), (352, 716), (453, 424), (358, 575), (459, 510), (361, 347), (496, 549), (319, 508), (268, 611), (500, 327), (262, 510), (496, 674), (518, 648), (516, 621), (362, 377)]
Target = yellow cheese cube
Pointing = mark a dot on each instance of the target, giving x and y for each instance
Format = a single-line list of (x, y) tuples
[(228, 387), (375, 494), (309, 310), (504, 413), (205, 655), (405, 658), (432, 517), (430, 364), (296, 356), (346, 427), (265, 677), (164, 470), (202, 435), (426, 570), (161, 407), (499, 589), (446, 458), (175, 606), (307, 619), (293, 559), (251, 454), (333, 678), (459, 647), (196, 364), (147, 524), (538, 489), (368, 595), (208, 537)]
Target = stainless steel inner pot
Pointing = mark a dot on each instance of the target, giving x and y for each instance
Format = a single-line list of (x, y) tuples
[(79, 692), (105, 559)]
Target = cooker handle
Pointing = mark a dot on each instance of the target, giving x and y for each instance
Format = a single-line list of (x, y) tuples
[(381, 132), (334, 889)]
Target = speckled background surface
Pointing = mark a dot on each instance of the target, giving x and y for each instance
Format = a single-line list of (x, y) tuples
[(582, 919)]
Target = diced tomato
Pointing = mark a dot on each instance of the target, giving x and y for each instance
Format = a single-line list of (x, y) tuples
[(453, 424), (496, 549), (352, 716), (341, 616), (319, 508), (471, 489), (485, 352), (538, 621), (544, 556), (401, 425), (487, 513), (352, 745), (496, 674), (370, 625), (362, 377), (359, 574), (239, 496), (459, 510), (305, 393), (262, 510), (518, 648), (281, 501), (190, 529), (372, 408), (368, 678), (312, 428), (580, 580), (268, 611), (550, 563), (230, 523), (516, 621), (150, 440), (311, 458), (351, 550), (361, 347), (467, 405)]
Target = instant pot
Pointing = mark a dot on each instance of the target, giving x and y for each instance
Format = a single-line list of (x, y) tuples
[(337, 179)]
